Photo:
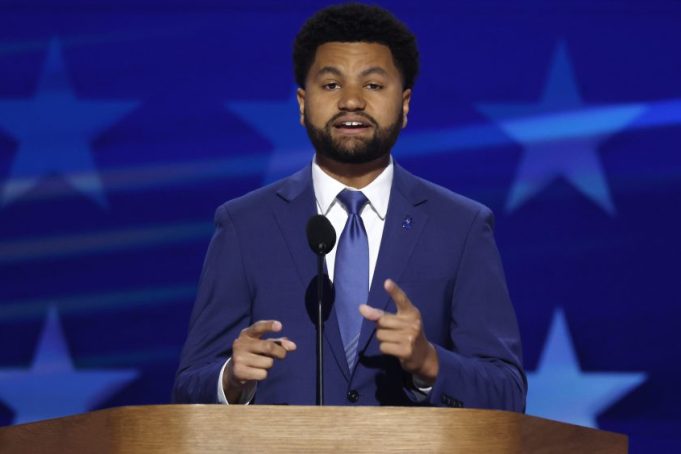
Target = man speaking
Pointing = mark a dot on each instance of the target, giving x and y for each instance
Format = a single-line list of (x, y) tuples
[(421, 314)]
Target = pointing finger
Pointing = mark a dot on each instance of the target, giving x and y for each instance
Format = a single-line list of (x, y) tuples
[(370, 313), (399, 297), (261, 327)]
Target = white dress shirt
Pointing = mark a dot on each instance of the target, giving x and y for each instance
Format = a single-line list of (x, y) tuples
[(326, 188)]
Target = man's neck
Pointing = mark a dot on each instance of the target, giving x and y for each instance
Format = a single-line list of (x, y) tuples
[(353, 175)]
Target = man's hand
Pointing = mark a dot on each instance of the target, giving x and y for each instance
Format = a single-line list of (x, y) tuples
[(253, 356), (401, 335)]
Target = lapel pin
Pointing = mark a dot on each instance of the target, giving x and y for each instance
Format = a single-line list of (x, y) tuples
[(408, 223)]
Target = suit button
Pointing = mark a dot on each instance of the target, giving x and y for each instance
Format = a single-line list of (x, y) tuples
[(353, 396)]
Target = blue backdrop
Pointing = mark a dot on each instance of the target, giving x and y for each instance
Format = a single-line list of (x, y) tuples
[(124, 124)]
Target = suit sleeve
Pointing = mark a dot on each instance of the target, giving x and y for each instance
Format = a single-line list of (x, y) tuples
[(222, 309), (483, 367)]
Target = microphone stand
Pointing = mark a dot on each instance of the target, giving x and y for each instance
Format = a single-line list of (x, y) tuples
[(320, 331), (321, 237)]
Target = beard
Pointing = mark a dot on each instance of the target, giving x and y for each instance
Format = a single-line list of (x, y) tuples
[(355, 150)]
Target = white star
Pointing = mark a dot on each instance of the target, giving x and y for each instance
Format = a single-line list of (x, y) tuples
[(52, 387), (54, 130), (560, 135), (560, 390)]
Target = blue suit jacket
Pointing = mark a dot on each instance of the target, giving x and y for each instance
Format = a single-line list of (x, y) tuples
[(260, 267)]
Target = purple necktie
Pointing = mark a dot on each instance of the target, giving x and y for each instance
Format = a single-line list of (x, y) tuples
[(351, 274)]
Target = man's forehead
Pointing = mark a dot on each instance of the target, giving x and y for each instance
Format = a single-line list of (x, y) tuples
[(353, 50), (356, 56)]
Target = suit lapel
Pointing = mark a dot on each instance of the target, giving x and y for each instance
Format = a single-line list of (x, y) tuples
[(333, 337), (404, 224), (292, 213), (296, 206)]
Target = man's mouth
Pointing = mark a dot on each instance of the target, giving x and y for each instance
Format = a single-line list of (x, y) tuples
[(352, 125)]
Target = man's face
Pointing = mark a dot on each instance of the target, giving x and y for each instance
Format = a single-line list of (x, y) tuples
[(353, 105)]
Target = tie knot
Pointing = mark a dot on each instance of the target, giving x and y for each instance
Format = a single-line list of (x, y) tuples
[(352, 200)]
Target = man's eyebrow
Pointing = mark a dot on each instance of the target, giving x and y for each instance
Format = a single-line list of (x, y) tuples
[(336, 72), (329, 70), (374, 70)]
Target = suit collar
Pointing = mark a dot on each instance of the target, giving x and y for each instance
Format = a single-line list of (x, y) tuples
[(410, 187), (296, 185), (407, 185)]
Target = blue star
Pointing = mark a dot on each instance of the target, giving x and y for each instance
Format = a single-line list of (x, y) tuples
[(560, 135), (52, 387), (54, 130), (560, 390), (277, 122)]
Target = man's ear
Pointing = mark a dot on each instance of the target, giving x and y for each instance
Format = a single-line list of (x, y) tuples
[(300, 96), (406, 98)]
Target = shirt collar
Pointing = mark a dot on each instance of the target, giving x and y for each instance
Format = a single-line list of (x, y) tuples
[(326, 188)]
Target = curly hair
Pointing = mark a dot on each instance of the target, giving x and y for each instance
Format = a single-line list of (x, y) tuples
[(355, 22)]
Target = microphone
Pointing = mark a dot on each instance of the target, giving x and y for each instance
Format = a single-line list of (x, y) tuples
[(321, 237)]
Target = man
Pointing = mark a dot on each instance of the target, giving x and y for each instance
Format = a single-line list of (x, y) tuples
[(421, 313)]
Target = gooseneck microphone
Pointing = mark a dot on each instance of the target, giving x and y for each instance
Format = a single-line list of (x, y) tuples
[(322, 238)]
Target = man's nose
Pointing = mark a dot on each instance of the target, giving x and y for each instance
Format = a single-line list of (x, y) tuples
[(351, 99)]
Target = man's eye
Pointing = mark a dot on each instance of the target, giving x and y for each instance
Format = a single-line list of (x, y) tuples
[(374, 86), (331, 86)]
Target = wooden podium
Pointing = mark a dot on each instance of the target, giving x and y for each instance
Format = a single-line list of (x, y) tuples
[(265, 429)]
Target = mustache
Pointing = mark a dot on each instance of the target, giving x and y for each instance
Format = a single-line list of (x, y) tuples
[(339, 115)]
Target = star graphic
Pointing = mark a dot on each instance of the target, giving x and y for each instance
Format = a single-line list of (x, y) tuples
[(54, 129), (277, 121), (560, 135), (560, 390), (52, 387)]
